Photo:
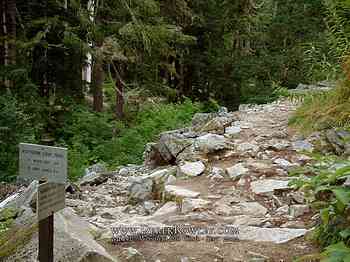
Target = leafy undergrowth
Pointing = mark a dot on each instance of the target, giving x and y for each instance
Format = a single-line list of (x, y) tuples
[(98, 137), (15, 238), (322, 183), (324, 110)]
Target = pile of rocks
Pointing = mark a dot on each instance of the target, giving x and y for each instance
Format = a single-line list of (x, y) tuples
[(227, 168)]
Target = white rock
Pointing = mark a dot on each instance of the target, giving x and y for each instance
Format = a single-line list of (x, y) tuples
[(96, 168), (298, 210), (237, 171), (140, 188), (267, 186), (180, 192), (191, 204), (274, 235), (191, 168), (210, 143), (23, 198), (162, 174), (249, 208), (232, 131), (167, 210), (244, 147), (285, 164)]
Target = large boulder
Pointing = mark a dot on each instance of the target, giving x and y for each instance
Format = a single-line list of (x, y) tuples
[(150, 185), (339, 141), (200, 119), (96, 168), (172, 143), (152, 156), (140, 188), (210, 143), (73, 242), (95, 175)]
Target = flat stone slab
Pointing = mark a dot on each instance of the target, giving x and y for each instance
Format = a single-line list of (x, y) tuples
[(194, 204), (237, 171), (191, 169), (274, 235), (267, 186), (245, 220), (180, 192), (249, 208)]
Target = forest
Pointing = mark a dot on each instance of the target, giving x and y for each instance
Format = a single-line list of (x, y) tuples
[(104, 78), (99, 76)]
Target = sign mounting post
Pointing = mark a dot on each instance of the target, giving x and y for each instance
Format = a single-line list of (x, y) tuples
[(48, 165)]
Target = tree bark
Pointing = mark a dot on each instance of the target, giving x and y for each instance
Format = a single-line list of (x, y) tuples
[(97, 83), (2, 31), (2, 38), (119, 96), (11, 30)]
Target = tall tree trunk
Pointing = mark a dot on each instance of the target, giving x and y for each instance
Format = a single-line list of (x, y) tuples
[(2, 36), (179, 77), (97, 83), (11, 30), (119, 88)]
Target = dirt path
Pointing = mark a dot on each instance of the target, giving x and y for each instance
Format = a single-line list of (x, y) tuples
[(244, 184)]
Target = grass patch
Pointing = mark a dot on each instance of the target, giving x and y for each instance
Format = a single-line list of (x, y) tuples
[(324, 110), (15, 238)]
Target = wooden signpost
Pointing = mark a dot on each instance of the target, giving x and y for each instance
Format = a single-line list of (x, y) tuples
[(48, 165)]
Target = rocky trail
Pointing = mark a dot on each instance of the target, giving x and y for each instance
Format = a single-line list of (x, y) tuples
[(226, 169)]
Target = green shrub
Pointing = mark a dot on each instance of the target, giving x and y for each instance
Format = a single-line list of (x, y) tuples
[(128, 146), (16, 126), (325, 193), (94, 137)]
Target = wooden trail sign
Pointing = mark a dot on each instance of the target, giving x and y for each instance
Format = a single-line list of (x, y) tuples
[(38, 162), (48, 165), (51, 198)]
